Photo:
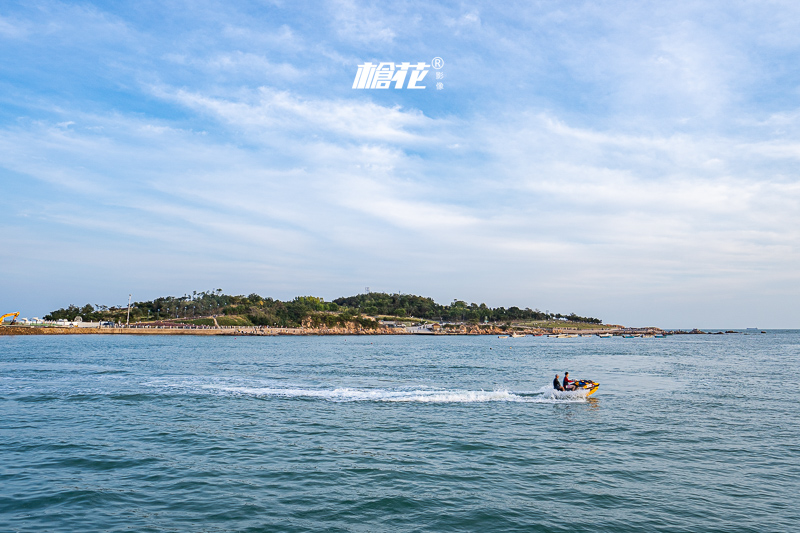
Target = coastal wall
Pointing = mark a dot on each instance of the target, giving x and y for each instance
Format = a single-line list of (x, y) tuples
[(352, 329), (241, 330), (27, 330)]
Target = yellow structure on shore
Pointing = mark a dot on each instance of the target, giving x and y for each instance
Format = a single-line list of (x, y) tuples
[(13, 320)]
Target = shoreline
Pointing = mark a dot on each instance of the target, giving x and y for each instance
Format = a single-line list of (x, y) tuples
[(234, 331), (262, 331)]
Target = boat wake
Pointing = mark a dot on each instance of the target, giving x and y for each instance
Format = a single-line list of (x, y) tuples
[(347, 394)]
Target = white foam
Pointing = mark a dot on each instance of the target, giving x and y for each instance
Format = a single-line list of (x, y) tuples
[(346, 394)]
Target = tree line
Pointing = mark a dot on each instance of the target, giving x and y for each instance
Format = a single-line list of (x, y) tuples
[(266, 311), (401, 305)]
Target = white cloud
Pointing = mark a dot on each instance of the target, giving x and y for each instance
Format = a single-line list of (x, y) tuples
[(467, 21), (238, 62), (282, 39), (362, 23), (12, 29), (550, 194), (268, 109)]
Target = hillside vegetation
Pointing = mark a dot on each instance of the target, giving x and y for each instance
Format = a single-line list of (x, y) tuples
[(311, 310)]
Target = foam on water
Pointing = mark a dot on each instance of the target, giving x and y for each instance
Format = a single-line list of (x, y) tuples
[(349, 394)]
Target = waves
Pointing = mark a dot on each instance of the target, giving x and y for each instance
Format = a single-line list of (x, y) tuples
[(363, 394), (407, 434)]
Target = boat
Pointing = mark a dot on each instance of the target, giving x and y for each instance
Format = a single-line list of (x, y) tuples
[(588, 385), (502, 336), (605, 335), (517, 335)]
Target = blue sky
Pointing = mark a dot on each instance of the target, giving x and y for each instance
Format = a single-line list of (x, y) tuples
[(638, 163)]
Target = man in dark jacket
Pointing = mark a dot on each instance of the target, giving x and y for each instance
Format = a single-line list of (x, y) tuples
[(556, 384)]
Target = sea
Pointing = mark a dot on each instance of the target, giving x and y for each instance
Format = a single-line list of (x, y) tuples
[(690, 433)]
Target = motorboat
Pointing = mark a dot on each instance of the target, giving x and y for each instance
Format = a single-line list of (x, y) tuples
[(586, 385), (583, 387)]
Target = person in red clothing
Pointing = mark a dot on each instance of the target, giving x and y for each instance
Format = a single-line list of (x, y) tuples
[(568, 382)]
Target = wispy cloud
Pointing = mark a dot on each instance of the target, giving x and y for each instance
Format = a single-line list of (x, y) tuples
[(12, 29), (238, 62), (363, 23), (267, 109)]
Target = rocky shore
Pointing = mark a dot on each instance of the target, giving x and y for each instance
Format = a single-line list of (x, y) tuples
[(248, 331), (350, 329)]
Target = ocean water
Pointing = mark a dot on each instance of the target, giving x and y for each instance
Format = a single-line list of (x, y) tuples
[(355, 434)]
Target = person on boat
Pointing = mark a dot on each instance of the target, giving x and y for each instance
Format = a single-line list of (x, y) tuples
[(557, 384), (568, 382)]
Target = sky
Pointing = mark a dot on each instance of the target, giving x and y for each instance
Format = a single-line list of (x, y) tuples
[(632, 161)]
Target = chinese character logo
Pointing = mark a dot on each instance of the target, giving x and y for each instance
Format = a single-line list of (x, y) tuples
[(382, 75)]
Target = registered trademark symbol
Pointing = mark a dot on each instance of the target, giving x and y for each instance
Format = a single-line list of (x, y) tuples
[(437, 63)]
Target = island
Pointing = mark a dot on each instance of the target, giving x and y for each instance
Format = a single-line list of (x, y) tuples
[(371, 313)]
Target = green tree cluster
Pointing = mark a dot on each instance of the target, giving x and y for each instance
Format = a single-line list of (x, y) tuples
[(261, 311), (401, 305)]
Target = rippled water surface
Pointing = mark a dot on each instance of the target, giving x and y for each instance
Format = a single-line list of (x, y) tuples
[(115, 433)]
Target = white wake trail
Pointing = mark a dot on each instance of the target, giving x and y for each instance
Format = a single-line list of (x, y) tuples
[(348, 394)]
